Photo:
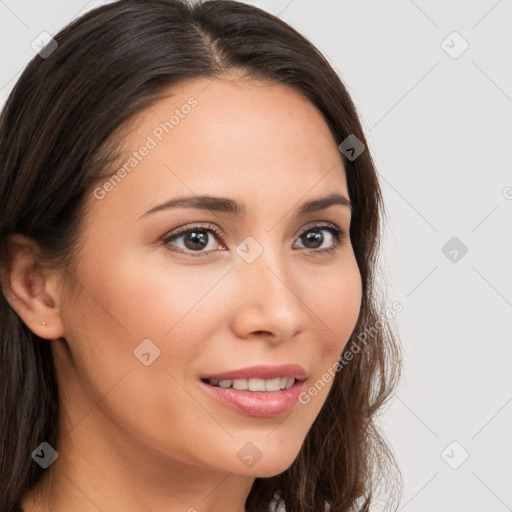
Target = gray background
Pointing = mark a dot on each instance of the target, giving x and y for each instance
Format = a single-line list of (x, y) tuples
[(440, 130)]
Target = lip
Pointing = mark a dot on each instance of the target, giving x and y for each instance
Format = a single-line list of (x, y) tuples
[(266, 404), (262, 371)]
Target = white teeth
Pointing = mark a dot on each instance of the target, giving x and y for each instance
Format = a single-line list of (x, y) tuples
[(277, 384), (240, 384), (273, 384), (256, 384)]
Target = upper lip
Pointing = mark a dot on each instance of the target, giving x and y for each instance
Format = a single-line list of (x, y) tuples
[(263, 371)]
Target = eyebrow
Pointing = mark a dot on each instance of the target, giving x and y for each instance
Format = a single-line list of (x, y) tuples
[(225, 205)]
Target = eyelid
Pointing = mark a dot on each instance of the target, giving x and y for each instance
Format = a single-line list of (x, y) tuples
[(316, 223)]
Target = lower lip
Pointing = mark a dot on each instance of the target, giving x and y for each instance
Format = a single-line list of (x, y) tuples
[(266, 404)]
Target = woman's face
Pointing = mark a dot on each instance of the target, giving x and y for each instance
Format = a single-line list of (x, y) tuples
[(150, 318)]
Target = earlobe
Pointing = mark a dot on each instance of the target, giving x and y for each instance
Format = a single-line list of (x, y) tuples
[(25, 286)]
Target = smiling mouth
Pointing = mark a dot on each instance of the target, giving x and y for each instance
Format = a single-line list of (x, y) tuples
[(266, 399), (253, 384)]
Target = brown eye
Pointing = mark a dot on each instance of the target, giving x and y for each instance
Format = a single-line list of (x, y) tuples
[(195, 239), (313, 238)]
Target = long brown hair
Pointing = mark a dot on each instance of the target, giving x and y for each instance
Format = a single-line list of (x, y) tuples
[(59, 131)]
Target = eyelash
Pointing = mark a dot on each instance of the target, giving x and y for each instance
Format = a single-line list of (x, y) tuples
[(338, 233)]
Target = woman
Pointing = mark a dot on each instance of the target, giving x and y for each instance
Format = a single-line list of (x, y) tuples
[(190, 222)]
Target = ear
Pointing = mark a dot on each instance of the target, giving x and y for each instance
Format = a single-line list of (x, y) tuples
[(31, 290)]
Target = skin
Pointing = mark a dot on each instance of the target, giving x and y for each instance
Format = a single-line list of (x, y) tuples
[(148, 438)]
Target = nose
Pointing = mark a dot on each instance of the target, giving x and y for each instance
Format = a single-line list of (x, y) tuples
[(269, 299)]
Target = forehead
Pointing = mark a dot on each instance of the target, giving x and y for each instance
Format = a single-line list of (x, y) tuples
[(254, 139)]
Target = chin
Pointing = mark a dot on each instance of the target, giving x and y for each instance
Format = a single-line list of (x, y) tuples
[(270, 464)]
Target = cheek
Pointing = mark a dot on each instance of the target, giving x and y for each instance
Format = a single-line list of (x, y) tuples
[(337, 303), (117, 306), (146, 295), (127, 298)]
